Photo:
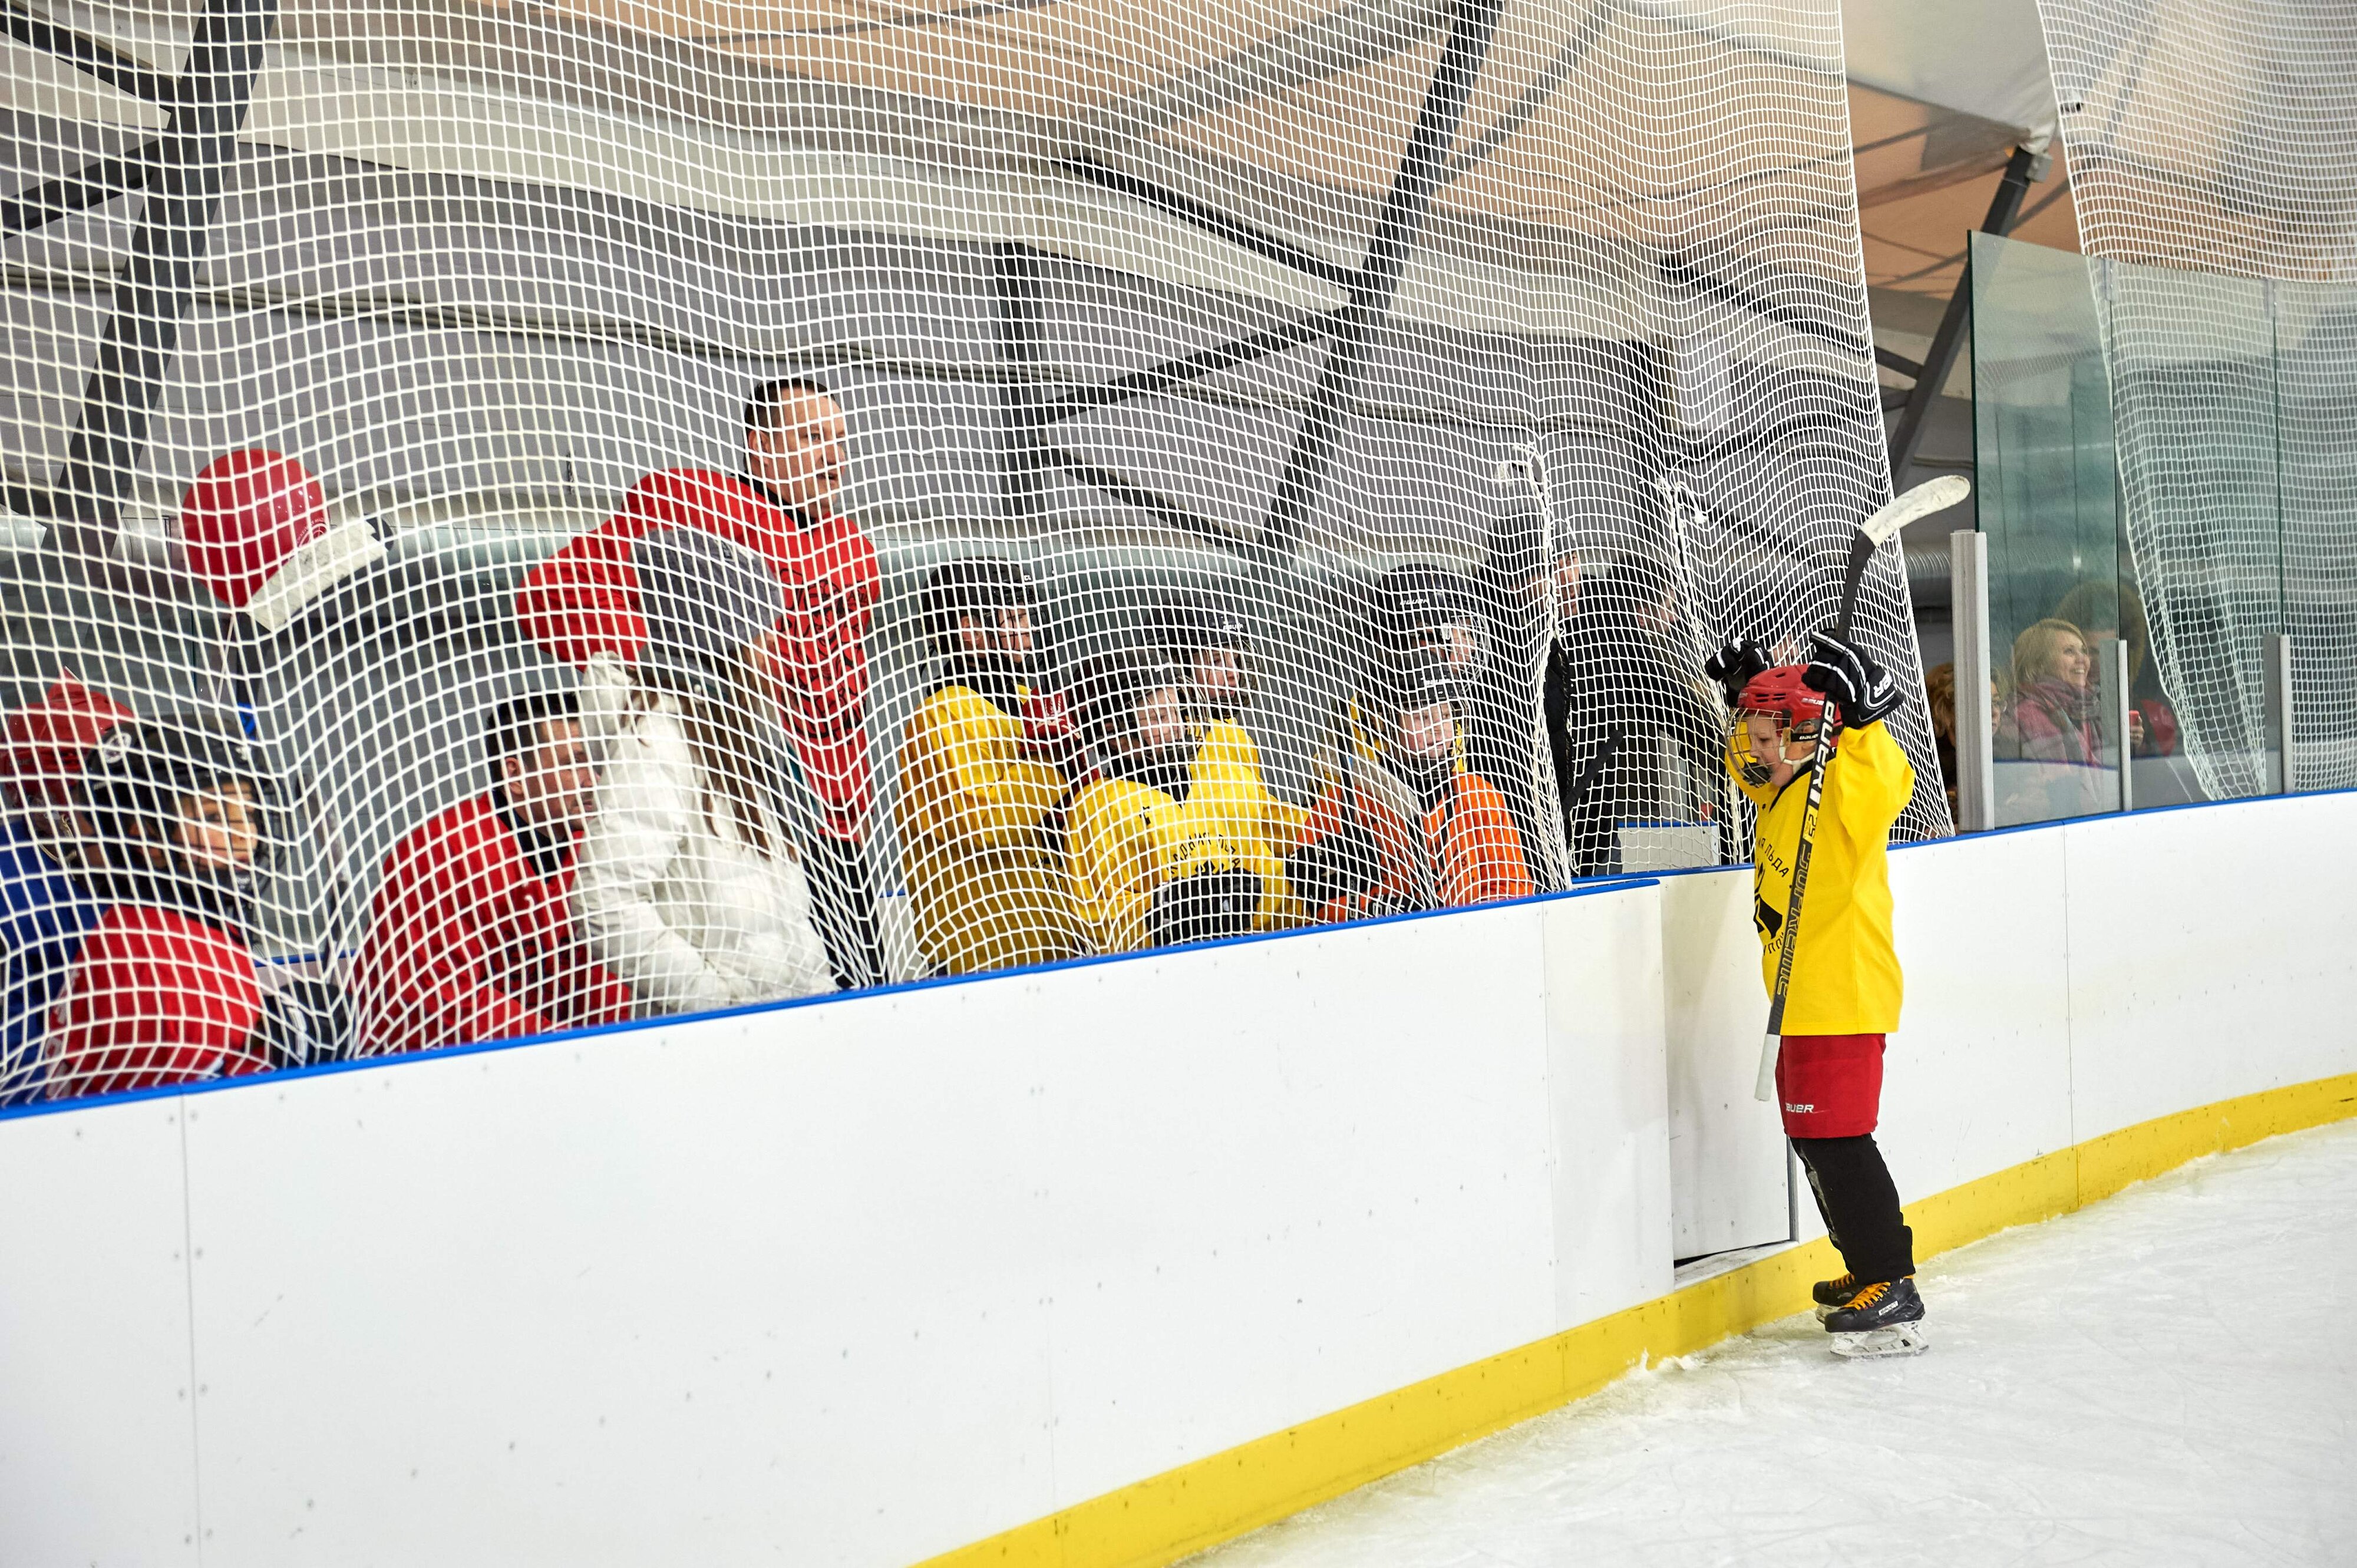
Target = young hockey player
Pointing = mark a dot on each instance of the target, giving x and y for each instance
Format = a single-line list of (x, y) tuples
[(982, 784), (1154, 859), (167, 988), (1845, 985)]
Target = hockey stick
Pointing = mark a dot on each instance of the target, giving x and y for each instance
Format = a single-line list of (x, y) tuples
[(1934, 495)]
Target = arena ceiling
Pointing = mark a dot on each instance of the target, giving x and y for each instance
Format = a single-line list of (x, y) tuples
[(1597, 125)]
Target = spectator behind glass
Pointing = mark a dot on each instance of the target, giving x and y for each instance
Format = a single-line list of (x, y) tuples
[(1939, 697), (1552, 591), (982, 795), (583, 601), (44, 911), (1412, 828), (1154, 861), (2101, 609), (2048, 744), (470, 937), (690, 886), (167, 989)]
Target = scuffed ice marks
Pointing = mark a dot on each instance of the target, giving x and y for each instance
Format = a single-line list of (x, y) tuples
[(2154, 1380)]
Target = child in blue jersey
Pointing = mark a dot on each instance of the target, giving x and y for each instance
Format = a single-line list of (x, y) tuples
[(44, 910)]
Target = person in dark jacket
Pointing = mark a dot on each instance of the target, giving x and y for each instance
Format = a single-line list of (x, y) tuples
[(44, 910), (470, 937), (167, 989), (1558, 580), (1637, 704)]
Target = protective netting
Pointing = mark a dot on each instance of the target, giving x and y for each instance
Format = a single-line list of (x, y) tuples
[(2214, 158), (532, 515)]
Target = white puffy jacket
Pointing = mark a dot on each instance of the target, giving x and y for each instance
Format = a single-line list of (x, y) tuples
[(693, 918)]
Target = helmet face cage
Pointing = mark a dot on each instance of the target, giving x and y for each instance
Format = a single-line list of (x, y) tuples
[(168, 788), (1794, 744)]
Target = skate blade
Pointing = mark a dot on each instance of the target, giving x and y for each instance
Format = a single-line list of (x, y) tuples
[(1873, 1344)]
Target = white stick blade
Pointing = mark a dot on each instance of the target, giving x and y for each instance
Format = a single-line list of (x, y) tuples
[(1930, 495)]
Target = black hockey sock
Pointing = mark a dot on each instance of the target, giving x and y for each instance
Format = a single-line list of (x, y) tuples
[(1860, 1205), (844, 910)]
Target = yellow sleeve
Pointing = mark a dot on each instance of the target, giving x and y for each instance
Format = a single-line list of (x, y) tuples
[(1871, 783), (1280, 821), (1110, 851), (963, 776)]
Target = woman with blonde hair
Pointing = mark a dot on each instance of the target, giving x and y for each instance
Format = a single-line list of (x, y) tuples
[(691, 887), (2048, 721), (2101, 609)]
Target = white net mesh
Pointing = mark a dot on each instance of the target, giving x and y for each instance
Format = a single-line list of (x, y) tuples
[(774, 498), (2214, 166)]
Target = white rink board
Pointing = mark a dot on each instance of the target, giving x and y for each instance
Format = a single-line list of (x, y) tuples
[(95, 1435), (1727, 1155), (860, 1282), (730, 1288)]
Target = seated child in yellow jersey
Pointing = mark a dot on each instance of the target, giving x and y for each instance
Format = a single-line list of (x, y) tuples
[(980, 788), (1154, 861), (1212, 650)]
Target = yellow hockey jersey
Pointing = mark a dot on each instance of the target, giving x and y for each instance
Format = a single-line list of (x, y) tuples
[(1127, 839), (1845, 978), (1226, 780), (985, 884)]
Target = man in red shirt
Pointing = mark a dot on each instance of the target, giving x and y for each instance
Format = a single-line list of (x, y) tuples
[(581, 602), (470, 937)]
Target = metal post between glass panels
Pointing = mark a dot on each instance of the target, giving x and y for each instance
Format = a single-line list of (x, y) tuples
[(1975, 714), (2112, 676), (2281, 774)]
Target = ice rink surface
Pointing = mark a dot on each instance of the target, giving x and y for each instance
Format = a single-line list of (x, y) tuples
[(2167, 1377)]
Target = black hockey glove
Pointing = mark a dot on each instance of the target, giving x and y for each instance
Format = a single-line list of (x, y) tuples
[(1733, 666), (1345, 864), (1203, 906), (1861, 691)]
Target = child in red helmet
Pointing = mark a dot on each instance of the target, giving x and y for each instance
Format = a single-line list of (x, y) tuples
[(167, 988), (1845, 986)]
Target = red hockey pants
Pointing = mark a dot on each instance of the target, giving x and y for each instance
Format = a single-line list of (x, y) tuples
[(1830, 1086)]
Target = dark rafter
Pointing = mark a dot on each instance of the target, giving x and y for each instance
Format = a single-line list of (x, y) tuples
[(157, 284), (93, 185), (1212, 222), (116, 70)]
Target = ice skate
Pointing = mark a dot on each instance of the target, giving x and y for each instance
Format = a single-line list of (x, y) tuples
[(1880, 1320), (1831, 1295)]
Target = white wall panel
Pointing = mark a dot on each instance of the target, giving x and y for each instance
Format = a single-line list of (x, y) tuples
[(707, 1292), (1978, 1078), (2211, 955), (1609, 1087), (1727, 1150), (98, 1455), (1284, 1176), (735, 1283)]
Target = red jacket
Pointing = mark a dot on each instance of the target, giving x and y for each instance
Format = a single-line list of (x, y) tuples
[(155, 997), (468, 942), (584, 600)]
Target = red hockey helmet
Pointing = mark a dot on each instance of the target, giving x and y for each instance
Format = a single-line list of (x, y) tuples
[(241, 517), (1797, 709), (1782, 691), (47, 740)]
